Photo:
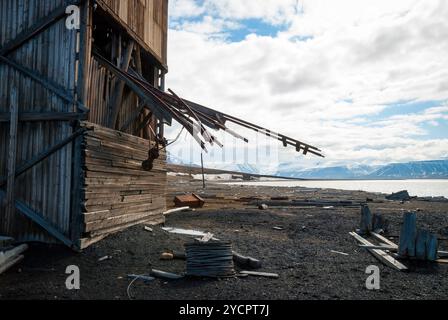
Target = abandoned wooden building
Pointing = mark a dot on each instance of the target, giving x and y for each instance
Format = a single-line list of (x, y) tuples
[(82, 115)]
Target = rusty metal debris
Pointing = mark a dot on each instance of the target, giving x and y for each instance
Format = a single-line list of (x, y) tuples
[(190, 200)]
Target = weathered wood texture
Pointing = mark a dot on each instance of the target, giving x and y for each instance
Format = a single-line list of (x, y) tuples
[(51, 55), (100, 94), (148, 19), (117, 192)]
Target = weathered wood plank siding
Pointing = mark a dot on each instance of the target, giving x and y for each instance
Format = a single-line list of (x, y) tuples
[(51, 55), (117, 192), (147, 18)]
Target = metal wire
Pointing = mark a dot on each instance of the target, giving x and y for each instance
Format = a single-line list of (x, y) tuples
[(211, 259)]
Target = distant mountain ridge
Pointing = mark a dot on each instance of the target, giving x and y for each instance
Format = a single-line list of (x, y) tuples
[(432, 169), (436, 169)]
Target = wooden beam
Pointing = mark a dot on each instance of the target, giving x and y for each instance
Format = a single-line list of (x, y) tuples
[(85, 51), (31, 163), (44, 116), (117, 98), (10, 263), (39, 220), (384, 240), (10, 254), (12, 151), (380, 254), (35, 29)]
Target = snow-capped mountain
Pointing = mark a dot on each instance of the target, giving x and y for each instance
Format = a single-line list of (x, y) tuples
[(410, 170)]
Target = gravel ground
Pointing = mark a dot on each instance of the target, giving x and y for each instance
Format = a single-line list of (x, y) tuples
[(300, 254)]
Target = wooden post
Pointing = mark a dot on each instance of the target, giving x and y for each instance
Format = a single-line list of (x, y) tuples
[(408, 235), (12, 151), (203, 175), (85, 55), (85, 52), (421, 243), (366, 220), (432, 248)]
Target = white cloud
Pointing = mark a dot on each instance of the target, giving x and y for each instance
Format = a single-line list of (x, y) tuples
[(363, 56)]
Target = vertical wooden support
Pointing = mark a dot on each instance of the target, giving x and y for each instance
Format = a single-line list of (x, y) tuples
[(85, 52), (119, 86), (82, 87), (161, 87), (432, 248), (421, 244), (366, 220), (408, 235), (139, 67), (12, 151)]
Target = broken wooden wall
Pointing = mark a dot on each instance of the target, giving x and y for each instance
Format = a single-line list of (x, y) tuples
[(118, 193), (51, 56), (147, 19)]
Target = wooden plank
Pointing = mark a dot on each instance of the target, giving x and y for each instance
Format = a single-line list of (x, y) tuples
[(366, 220), (421, 243), (384, 240), (31, 163), (381, 247), (431, 247), (261, 274), (10, 254), (12, 157), (39, 220), (408, 234), (85, 50), (50, 85), (146, 220), (10, 264), (39, 26), (380, 254)]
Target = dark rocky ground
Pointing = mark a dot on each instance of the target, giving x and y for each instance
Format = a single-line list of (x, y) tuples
[(300, 254)]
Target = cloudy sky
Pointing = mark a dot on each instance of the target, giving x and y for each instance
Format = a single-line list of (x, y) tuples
[(365, 81)]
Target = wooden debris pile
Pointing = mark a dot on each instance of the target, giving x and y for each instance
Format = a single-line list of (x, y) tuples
[(414, 243)]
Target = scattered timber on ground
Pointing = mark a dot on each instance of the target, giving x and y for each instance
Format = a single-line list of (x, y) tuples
[(11, 257), (260, 274), (165, 275), (380, 254), (182, 209), (339, 252)]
